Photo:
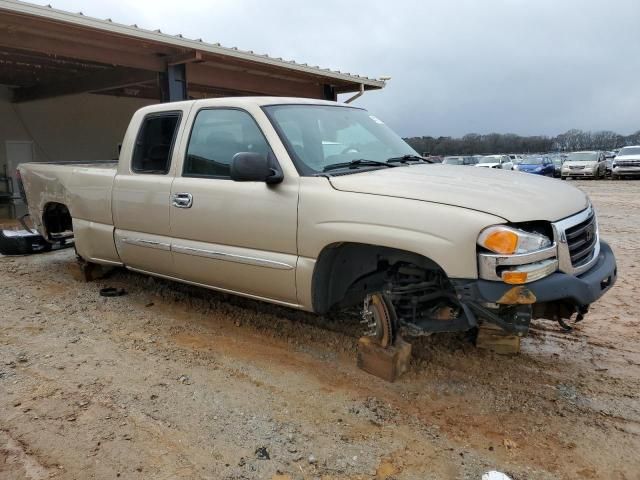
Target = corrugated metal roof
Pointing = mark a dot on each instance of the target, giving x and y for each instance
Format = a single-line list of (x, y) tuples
[(107, 25)]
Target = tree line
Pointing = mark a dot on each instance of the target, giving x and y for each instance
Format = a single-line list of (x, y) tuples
[(569, 141)]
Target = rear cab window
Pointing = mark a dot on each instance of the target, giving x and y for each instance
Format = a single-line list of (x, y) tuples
[(155, 142)]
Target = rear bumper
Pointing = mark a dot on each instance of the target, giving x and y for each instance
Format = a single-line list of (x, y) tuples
[(578, 290)]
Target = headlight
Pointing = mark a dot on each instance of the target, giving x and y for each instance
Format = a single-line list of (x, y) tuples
[(517, 257), (507, 240)]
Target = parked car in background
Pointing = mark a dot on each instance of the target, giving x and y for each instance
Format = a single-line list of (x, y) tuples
[(557, 160), (608, 160), (626, 162), (496, 161), (584, 164), (536, 164), (516, 159), (460, 160)]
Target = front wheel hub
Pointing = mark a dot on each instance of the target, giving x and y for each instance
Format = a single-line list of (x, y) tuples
[(379, 316)]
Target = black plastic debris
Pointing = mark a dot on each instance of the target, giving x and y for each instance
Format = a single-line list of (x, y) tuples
[(112, 292)]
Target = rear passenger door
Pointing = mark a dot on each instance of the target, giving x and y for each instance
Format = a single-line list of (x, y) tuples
[(142, 189), (234, 236)]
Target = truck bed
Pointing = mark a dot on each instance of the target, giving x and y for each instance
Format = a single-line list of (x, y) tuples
[(84, 187)]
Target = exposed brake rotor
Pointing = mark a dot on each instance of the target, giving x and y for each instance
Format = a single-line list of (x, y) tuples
[(379, 316)]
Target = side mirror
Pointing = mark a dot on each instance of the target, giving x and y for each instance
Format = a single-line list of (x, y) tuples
[(255, 167)]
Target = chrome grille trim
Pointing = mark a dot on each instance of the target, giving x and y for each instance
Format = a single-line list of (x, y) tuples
[(489, 262), (568, 240)]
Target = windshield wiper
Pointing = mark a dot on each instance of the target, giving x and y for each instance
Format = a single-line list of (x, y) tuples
[(408, 158), (360, 162)]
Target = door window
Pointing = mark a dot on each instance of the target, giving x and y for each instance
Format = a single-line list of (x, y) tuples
[(217, 136), (152, 153)]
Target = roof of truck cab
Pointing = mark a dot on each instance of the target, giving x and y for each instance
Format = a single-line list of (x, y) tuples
[(262, 101), (258, 101)]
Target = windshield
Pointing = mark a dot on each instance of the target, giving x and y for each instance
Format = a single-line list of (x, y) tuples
[(582, 157), (629, 151), (533, 161), (490, 159), (318, 136), (453, 160)]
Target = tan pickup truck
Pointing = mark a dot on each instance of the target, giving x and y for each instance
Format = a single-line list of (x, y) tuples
[(317, 206)]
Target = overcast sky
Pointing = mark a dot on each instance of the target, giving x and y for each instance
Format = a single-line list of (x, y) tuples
[(521, 66)]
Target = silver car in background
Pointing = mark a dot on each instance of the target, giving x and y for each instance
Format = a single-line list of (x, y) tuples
[(496, 161), (460, 160), (584, 164), (626, 162)]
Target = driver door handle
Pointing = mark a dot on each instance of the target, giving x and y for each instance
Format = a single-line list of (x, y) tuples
[(182, 200)]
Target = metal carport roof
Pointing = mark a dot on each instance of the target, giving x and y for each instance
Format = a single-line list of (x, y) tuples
[(47, 52)]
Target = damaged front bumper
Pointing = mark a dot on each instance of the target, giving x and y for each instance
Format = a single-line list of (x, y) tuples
[(555, 297)]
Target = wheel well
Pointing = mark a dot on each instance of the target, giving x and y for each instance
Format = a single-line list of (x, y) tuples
[(57, 220), (346, 272)]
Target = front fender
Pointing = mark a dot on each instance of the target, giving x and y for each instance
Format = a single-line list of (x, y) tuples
[(443, 233)]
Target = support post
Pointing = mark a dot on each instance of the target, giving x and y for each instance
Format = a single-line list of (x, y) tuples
[(330, 93), (173, 83)]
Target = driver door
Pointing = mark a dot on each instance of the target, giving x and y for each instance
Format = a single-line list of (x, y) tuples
[(233, 236)]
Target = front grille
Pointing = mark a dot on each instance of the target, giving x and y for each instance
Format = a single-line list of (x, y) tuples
[(574, 167), (581, 240), (628, 163)]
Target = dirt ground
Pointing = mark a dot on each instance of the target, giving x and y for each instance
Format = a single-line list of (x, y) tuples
[(174, 382)]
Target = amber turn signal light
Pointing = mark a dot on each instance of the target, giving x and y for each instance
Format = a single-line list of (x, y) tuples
[(514, 277), (501, 241)]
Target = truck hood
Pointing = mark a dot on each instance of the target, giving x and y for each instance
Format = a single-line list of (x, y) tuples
[(503, 193)]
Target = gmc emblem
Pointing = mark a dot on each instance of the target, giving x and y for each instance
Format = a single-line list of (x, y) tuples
[(589, 233)]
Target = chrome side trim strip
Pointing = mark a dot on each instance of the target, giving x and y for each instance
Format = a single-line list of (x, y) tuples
[(224, 290), (106, 262), (142, 242), (232, 257)]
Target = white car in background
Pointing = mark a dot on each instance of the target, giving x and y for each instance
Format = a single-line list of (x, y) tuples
[(496, 161), (459, 160), (584, 164), (626, 162), (516, 159)]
